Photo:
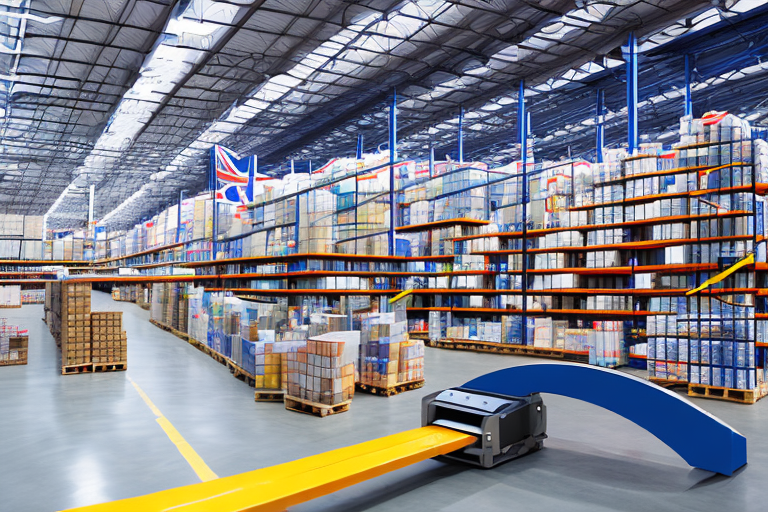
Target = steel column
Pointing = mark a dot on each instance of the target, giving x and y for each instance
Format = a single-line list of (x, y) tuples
[(392, 159), (522, 137), (359, 146), (688, 99), (599, 126), (178, 216), (431, 160), (631, 58), (212, 185), (461, 134)]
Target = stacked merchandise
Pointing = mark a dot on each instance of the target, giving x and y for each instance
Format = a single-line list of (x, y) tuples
[(321, 323), (109, 340), (387, 357), (10, 296), (68, 314), (128, 293), (33, 296), (75, 325), (21, 237), (170, 305), (13, 344), (323, 372)]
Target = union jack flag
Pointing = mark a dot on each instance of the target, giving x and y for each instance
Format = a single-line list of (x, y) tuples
[(234, 176)]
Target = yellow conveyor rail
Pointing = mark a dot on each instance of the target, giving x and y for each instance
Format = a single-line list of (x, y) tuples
[(278, 487)]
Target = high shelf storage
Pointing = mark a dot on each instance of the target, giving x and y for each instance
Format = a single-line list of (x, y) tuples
[(571, 260)]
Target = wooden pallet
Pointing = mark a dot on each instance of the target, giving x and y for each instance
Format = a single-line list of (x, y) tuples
[(168, 328), (14, 362), (73, 369), (393, 390), (517, 350), (269, 395), (299, 405), (667, 383), (244, 376), (741, 396), (110, 367)]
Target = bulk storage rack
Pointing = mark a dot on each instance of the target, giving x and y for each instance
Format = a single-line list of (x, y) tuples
[(597, 250)]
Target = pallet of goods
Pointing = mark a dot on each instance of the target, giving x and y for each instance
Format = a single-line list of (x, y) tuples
[(76, 328), (321, 375), (14, 344), (389, 362), (109, 350), (90, 341)]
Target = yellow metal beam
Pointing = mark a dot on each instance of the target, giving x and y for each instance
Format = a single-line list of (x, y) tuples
[(400, 295), (725, 273), (278, 487)]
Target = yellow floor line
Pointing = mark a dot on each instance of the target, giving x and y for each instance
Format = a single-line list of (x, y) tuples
[(198, 465)]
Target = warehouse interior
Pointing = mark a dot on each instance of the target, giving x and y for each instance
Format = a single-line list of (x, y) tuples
[(274, 255)]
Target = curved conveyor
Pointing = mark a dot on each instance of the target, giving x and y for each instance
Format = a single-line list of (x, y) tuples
[(701, 439)]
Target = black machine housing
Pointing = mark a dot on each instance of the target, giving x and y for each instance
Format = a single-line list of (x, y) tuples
[(506, 427)]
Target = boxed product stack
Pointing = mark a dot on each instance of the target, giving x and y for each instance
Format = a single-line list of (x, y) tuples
[(387, 357), (10, 296), (321, 376), (75, 325), (266, 369), (32, 296), (13, 350), (109, 341), (13, 344)]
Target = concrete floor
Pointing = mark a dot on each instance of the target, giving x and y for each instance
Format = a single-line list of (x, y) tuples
[(68, 441)]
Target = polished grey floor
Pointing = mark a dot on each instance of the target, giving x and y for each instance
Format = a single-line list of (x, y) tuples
[(69, 441)]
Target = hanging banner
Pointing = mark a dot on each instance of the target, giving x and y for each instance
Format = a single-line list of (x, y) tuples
[(232, 176)]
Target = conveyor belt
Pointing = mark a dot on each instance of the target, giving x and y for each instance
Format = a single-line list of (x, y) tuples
[(278, 487)]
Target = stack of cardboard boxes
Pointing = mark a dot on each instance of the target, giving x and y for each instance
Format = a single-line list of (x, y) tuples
[(109, 340), (13, 344), (75, 324), (387, 357), (323, 372)]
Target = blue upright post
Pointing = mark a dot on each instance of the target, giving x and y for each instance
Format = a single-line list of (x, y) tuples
[(599, 126), (213, 184), (461, 134), (688, 98), (431, 160), (522, 137), (631, 58), (359, 146), (178, 217), (297, 223), (392, 159)]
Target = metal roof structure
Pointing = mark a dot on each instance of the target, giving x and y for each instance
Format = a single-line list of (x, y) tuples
[(130, 95)]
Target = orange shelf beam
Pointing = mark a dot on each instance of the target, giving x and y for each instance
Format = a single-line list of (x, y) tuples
[(462, 221), (640, 245), (256, 291), (142, 253), (591, 227), (672, 195)]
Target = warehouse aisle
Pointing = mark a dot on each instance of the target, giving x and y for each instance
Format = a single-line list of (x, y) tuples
[(82, 439)]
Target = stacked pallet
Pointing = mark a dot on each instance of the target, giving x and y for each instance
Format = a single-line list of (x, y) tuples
[(321, 375), (13, 350), (90, 341), (389, 362), (75, 327), (109, 341)]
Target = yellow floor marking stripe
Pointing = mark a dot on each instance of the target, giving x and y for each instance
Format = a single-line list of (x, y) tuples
[(198, 465), (279, 487)]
